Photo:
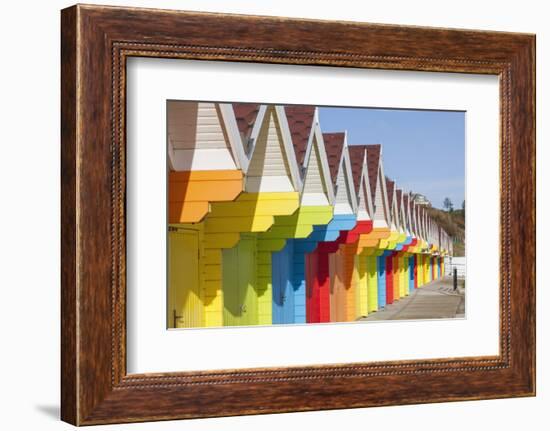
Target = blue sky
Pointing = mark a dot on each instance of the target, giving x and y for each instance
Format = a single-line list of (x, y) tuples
[(422, 151)]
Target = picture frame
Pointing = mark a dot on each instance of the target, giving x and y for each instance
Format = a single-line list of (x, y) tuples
[(96, 42)]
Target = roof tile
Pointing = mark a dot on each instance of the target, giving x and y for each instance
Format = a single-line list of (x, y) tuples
[(373, 163), (357, 158), (245, 114), (300, 122), (334, 146), (399, 193), (389, 188)]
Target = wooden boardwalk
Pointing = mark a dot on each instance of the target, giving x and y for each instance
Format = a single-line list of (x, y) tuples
[(436, 300)]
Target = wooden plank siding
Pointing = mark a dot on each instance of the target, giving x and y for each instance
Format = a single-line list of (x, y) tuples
[(269, 169), (203, 164), (269, 176), (309, 236)]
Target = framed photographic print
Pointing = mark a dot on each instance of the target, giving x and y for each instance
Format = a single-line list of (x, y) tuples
[(269, 215)]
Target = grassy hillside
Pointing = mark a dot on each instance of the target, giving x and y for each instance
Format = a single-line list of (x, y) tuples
[(453, 223)]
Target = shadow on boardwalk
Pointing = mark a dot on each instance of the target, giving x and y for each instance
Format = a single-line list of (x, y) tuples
[(435, 300)]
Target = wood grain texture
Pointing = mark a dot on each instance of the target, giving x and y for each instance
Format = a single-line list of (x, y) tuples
[(96, 41), (69, 398)]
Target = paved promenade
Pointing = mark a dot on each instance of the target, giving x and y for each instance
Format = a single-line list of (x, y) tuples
[(435, 300)]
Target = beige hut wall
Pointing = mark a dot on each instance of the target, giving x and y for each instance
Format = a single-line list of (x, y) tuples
[(364, 201), (363, 211), (343, 199), (381, 210), (315, 189), (197, 137), (269, 169), (412, 219), (392, 204)]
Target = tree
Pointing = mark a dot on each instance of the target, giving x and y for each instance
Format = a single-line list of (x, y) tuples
[(448, 205), (463, 205)]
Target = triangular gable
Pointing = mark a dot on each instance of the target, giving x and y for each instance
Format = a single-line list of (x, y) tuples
[(412, 210), (309, 148), (419, 222), (407, 214), (378, 186), (390, 192), (336, 148), (316, 188), (272, 165), (410, 214), (245, 115), (202, 136), (359, 167), (400, 210), (414, 217), (300, 121), (420, 231), (374, 154), (417, 228), (427, 225), (424, 227)]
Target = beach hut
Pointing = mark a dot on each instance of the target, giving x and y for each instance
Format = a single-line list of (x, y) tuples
[(426, 248), (273, 177), (205, 158), (206, 165), (402, 255), (371, 245), (343, 280), (402, 241), (365, 217), (316, 210), (320, 290), (408, 259), (423, 247), (391, 270), (349, 274)]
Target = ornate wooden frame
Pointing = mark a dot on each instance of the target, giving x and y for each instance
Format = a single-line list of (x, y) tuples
[(95, 43)]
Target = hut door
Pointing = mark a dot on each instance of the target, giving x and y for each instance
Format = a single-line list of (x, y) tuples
[(239, 283), (338, 292), (312, 288), (283, 292), (411, 274), (381, 281), (389, 279), (185, 305)]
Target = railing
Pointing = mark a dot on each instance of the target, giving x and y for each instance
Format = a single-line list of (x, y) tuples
[(456, 262)]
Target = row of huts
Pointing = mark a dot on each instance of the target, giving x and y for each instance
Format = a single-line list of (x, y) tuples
[(272, 221)]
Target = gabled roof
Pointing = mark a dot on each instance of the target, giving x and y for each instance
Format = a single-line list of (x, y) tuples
[(373, 162), (203, 136), (245, 114), (300, 121), (399, 193), (266, 117), (389, 188), (418, 221), (400, 218), (421, 229), (412, 207), (357, 158), (406, 208), (334, 146)]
